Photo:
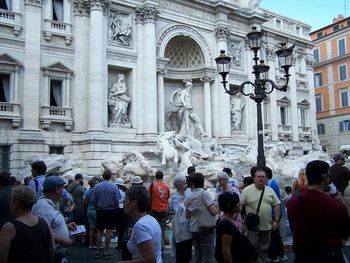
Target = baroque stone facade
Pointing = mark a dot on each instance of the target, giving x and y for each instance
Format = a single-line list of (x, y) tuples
[(72, 52)]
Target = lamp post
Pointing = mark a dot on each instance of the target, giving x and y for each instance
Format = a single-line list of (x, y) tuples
[(262, 85)]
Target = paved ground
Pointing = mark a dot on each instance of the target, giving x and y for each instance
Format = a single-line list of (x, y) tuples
[(80, 254)]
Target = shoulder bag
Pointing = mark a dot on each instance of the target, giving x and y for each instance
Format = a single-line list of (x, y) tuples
[(206, 220), (253, 219)]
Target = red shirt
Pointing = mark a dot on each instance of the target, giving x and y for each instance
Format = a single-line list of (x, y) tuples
[(160, 196), (328, 215)]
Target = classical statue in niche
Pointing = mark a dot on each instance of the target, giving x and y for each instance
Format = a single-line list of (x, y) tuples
[(237, 106), (119, 29), (235, 50), (188, 121), (118, 102)]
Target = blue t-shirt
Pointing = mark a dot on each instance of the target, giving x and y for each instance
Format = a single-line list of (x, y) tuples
[(275, 187), (38, 190), (88, 198), (105, 196)]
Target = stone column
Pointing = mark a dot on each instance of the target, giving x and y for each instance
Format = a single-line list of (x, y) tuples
[(250, 107), (81, 66), (310, 79), (31, 82), (161, 122), (207, 104), (271, 58), (294, 103), (224, 108), (138, 88), (148, 15), (97, 67)]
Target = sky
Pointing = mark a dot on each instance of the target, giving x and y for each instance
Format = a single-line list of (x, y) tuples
[(317, 13)]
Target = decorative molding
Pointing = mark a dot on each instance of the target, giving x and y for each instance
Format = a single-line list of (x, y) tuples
[(120, 31), (235, 51), (81, 7), (121, 56), (187, 31), (147, 13), (222, 33), (33, 2), (58, 67)]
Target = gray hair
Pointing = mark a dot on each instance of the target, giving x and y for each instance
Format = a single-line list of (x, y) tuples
[(222, 174), (179, 179)]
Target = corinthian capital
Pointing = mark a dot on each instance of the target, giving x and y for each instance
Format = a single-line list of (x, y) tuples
[(81, 7), (222, 33), (147, 13), (104, 4), (207, 79)]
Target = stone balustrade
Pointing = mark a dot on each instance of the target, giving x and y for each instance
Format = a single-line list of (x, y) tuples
[(57, 28), (10, 111), (50, 114), (11, 19)]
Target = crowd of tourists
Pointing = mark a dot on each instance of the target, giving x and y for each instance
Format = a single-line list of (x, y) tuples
[(234, 222)]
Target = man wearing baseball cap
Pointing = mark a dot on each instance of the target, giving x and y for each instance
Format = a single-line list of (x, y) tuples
[(48, 209)]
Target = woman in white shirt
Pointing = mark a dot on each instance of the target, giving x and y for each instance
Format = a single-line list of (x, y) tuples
[(146, 236)]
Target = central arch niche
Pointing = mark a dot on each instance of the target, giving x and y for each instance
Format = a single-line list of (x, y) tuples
[(184, 52)]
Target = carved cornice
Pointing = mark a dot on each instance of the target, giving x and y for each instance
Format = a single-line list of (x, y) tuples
[(33, 2), (98, 4), (147, 13), (222, 33), (82, 7)]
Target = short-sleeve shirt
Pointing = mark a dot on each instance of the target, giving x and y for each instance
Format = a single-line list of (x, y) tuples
[(250, 199), (77, 191), (328, 215), (146, 228), (160, 196), (38, 190), (194, 202), (105, 196), (238, 251), (87, 197), (49, 211)]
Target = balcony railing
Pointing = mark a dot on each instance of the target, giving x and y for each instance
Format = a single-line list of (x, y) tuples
[(12, 20), (50, 114), (57, 28), (10, 111)]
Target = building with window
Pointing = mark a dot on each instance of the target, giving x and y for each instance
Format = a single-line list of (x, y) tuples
[(332, 84), (62, 60)]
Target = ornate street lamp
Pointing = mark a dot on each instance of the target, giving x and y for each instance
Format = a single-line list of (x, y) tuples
[(262, 85)]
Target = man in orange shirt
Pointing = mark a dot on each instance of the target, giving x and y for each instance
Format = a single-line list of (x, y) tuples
[(160, 194)]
